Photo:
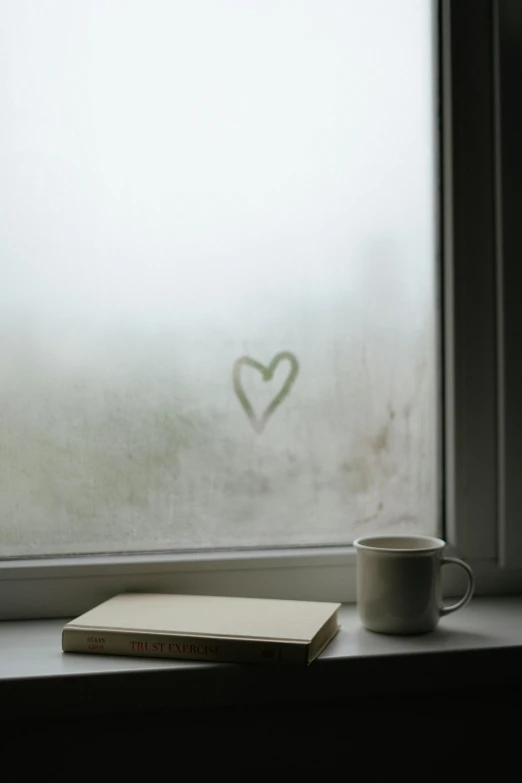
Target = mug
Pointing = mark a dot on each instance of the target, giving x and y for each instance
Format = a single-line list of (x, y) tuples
[(399, 583)]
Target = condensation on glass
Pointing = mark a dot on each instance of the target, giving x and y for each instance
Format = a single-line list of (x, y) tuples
[(217, 273)]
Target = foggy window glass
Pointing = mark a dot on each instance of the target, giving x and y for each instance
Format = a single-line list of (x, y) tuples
[(217, 273)]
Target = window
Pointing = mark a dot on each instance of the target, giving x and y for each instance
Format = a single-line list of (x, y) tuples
[(219, 317), (222, 296)]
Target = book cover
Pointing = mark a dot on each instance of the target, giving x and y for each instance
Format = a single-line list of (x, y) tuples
[(205, 628)]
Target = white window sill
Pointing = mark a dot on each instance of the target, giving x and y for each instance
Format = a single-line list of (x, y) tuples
[(481, 645)]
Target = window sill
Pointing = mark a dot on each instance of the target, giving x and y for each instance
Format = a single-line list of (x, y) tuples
[(482, 645)]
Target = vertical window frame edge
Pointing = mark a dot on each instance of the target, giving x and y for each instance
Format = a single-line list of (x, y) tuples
[(469, 279)]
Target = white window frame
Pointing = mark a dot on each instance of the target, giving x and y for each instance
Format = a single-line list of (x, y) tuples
[(482, 247), (479, 493)]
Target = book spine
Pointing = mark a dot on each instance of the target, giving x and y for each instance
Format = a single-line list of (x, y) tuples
[(197, 648)]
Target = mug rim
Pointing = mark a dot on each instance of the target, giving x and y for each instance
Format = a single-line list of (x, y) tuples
[(433, 544)]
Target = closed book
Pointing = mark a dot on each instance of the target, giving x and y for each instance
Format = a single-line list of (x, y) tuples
[(205, 628)]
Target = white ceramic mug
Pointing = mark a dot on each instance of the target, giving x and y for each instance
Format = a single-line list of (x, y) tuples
[(399, 583)]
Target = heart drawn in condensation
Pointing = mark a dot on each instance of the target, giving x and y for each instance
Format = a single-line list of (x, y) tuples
[(267, 373)]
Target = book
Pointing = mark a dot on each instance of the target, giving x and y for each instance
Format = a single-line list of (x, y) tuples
[(205, 628)]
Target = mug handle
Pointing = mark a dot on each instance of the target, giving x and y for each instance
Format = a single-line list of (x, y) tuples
[(471, 585)]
